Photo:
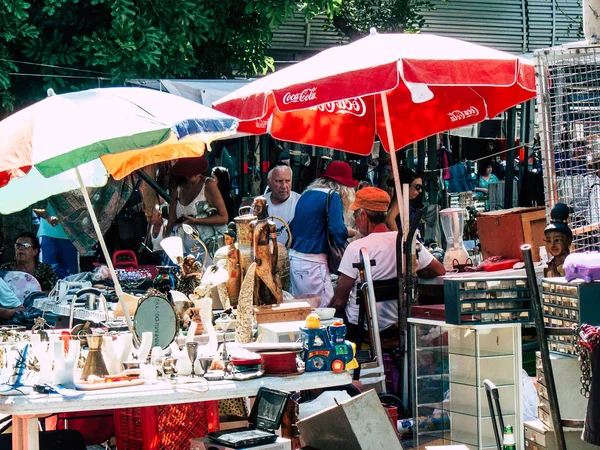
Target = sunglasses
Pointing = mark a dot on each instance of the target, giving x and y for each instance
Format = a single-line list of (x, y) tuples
[(22, 245), (418, 187)]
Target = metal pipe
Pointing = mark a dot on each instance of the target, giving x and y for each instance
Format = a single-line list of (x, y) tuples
[(538, 317), (372, 307), (405, 337)]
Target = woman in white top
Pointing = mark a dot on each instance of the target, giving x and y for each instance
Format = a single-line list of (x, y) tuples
[(196, 201)]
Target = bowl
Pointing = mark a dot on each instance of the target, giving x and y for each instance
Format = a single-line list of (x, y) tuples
[(226, 324), (324, 313)]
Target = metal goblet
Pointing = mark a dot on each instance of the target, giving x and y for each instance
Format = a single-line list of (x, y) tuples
[(192, 351), (205, 362)]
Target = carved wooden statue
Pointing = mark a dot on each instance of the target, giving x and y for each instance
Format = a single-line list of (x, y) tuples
[(267, 286), (558, 240), (234, 283)]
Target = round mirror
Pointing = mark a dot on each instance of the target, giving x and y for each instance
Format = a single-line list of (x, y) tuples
[(156, 314)]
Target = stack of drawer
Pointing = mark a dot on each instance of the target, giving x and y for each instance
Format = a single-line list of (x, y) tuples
[(538, 437), (565, 305), (538, 433)]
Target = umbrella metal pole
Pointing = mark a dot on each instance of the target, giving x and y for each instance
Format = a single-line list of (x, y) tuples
[(538, 318), (372, 306), (406, 312), (109, 263)]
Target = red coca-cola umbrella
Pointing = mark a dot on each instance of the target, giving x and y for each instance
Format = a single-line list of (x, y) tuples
[(401, 87)]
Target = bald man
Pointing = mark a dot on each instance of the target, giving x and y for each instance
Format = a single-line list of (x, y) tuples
[(281, 200)]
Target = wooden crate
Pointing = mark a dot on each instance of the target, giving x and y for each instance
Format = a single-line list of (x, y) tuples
[(502, 232), (284, 312)]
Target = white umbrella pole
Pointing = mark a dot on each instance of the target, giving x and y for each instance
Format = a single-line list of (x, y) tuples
[(400, 194), (109, 263)]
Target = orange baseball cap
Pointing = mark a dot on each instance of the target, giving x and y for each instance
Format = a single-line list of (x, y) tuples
[(372, 199)]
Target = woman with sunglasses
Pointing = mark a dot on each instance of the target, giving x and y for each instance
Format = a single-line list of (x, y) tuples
[(415, 190), (27, 250)]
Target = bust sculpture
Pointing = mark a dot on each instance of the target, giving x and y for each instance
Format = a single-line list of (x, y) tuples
[(558, 240), (267, 286)]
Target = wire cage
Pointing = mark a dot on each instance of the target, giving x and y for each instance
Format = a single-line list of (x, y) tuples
[(568, 85)]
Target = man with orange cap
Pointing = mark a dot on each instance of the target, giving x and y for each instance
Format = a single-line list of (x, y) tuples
[(370, 212)]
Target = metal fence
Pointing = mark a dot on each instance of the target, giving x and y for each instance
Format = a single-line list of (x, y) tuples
[(568, 84)]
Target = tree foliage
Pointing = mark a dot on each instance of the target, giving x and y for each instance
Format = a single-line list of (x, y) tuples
[(111, 40), (77, 44), (355, 17)]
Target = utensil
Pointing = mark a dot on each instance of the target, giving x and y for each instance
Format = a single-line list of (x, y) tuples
[(192, 351)]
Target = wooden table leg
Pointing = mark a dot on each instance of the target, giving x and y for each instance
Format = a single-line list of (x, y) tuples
[(25, 435)]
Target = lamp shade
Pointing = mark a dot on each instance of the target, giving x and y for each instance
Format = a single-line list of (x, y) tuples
[(173, 246)]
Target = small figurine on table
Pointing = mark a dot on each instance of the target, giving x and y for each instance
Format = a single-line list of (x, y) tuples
[(267, 288), (558, 240), (191, 273), (234, 283)]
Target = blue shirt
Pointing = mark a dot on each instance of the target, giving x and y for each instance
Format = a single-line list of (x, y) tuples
[(48, 230), (309, 226)]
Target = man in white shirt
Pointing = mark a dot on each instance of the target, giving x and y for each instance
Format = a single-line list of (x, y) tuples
[(370, 211), (281, 200)]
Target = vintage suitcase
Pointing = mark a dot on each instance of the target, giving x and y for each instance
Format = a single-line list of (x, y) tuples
[(502, 232)]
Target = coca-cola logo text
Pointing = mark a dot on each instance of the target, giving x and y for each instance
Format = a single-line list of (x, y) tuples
[(260, 123), (354, 106), (306, 95), (457, 114)]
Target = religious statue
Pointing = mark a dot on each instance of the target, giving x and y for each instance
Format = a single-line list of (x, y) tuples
[(191, 274), (234, 283), (267, 286), (558, 240)]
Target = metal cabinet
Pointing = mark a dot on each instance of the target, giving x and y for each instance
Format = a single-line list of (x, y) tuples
[(482, 300), (450, 363), (567, 304)]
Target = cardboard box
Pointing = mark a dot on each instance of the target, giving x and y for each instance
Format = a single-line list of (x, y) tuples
[(206, 444), (502, 232), (360, 423), (284, 312)]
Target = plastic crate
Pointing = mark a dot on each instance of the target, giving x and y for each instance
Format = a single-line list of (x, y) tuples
[(392, 412), (529, 363), (165, 427)]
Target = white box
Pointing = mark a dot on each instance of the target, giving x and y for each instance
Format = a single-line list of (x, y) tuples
[(208, 444), (284, 332)]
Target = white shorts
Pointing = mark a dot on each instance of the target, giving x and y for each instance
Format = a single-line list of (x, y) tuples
[(310, 278)]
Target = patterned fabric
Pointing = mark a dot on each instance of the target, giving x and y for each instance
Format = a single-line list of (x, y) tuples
[(74, 217), (43, 273)]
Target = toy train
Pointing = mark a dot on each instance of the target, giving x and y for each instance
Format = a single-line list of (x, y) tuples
[(327, 349)]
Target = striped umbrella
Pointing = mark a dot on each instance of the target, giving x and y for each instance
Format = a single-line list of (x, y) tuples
[(76, 140)]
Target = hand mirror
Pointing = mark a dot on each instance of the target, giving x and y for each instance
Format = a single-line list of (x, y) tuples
[(156, 314)]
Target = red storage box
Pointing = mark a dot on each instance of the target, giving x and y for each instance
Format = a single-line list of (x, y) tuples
[(502, 232), (165, 427)]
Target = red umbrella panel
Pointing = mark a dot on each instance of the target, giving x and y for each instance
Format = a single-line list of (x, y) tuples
[(432, 84)]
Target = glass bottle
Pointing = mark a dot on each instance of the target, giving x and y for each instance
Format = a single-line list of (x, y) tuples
[(508, 442)]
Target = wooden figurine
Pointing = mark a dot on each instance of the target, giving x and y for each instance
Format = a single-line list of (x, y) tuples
[(558, 240), (267, 286), (191, 274), (234, 283)]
